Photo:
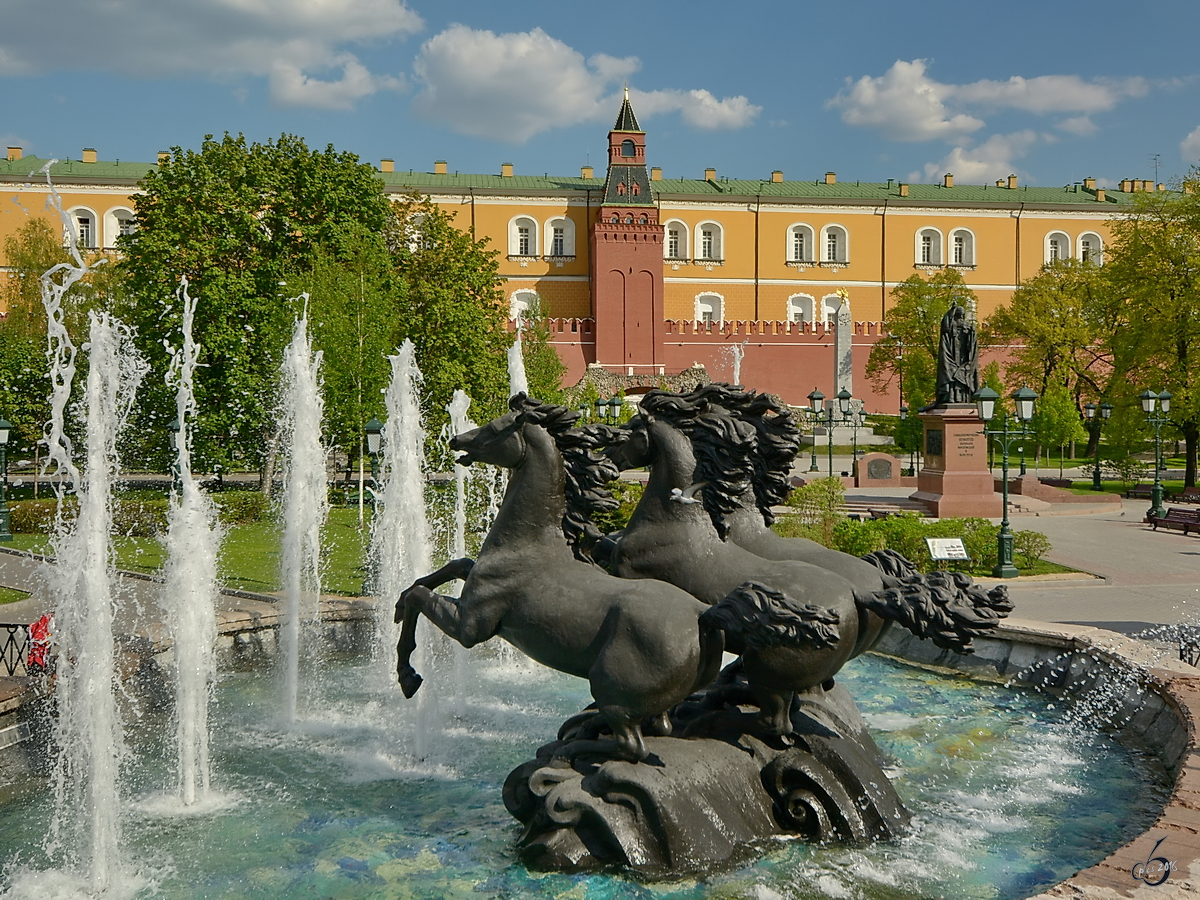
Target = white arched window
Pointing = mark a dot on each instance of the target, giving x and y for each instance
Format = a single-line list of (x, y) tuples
[(560, 237), (830, 304), (835, 246), (1091, 248), (800, 308), (929, 247), (85, 225), (1058, 246), (801, 245), (520, 302), (962, 247), (709, 243), (118, 221), (710, 308), (522, 237), (675, 241)]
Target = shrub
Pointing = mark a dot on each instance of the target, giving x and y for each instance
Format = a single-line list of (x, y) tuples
[(1032, 545), (37, 516), (627, 494), (242, 507), (139, 517), (1129, 470), (819, 503)]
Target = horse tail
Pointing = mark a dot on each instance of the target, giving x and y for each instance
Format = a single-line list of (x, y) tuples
[(756, 617), (948, 608)]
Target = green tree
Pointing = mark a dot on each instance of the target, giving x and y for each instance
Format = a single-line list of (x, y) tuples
[(236, 219), (908, 351), (452, 308), (1056, 420), (544, 368), (1154, 264)]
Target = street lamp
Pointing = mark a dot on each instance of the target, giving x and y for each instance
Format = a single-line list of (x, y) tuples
[(614, 409), (816, 401), (912, 465), (374, 431), (601, 405), (5, 527), (583, 410), (850, 417), (985, 400), (1150, 401), (173, 437), (1089, 413)]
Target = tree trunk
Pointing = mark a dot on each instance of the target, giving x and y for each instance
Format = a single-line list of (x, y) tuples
[(1191, 431), (269, 462)]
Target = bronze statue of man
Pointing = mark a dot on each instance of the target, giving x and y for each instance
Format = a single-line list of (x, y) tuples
[(958, 358)]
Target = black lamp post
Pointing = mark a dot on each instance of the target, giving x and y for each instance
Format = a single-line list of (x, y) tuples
[(1089, 413), (985, 399), (583, 410), (173, 437), (1152, 405), (850, 416), (374, 431), (5, 526), (816, 401), (601, 406), (912, 465), (614, 409)]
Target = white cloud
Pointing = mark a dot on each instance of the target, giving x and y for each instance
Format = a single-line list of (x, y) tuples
[(284, 40), (907, 105), (994, 158), (1189, 148), (904, 104), (514, 86)]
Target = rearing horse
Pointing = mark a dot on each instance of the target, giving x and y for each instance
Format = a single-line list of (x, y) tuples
[(643, 645)]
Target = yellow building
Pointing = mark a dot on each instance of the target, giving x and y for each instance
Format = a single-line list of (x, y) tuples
[(738, 256)]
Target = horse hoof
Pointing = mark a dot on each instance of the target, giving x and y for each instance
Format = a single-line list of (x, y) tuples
[(410, 681)]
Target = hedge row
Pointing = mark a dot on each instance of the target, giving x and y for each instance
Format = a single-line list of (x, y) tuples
[(138, 516)]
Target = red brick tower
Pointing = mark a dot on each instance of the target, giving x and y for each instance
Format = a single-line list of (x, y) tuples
[(627, 258)]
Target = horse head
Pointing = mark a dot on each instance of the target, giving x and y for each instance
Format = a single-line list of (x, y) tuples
[(503, 441)]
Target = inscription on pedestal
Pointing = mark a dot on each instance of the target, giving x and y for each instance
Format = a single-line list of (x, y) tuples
[(933, 442), (966, 444)]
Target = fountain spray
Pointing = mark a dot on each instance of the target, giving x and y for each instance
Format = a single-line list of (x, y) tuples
[(460, 423), (517, 382), (306, 500), (190, 588)]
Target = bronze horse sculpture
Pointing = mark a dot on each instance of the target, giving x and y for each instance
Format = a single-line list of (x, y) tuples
[(695, 447), (643, 645)]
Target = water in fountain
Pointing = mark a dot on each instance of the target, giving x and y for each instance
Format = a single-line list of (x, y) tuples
[(517, 382), (460, 423), (736, 353), (306, 501), (190, 582)]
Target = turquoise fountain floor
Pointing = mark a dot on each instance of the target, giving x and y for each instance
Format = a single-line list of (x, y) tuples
[(1006, 799)]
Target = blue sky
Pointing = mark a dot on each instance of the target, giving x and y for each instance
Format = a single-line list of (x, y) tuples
[(871, 90)]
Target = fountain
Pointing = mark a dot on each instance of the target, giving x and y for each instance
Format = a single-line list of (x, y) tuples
[(517, 382), (190, 580), (306, 501)]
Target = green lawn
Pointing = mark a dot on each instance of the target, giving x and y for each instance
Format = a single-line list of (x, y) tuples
[(250, 554)]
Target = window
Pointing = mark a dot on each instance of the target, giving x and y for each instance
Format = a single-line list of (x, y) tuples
[(1058, 246), (521, 302), (929, 247), (1090, 247), (628, 149), (708, 242), (560, 232), (675, 245), (710, 308), (960, 250), (830, 304), (962, 247), (126, 226), (800, 308), (559, 242), (85, 232), (522, 237), (835, 245), (800, 245)]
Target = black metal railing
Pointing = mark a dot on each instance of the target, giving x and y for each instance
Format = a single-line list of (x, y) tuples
[(14, 648)]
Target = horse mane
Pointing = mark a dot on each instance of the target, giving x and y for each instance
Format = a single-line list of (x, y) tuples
[(725, 448), (587, 472), (778, 439)]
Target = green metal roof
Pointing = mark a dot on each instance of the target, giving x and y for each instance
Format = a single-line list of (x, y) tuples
[(849, 192), (29, 169)]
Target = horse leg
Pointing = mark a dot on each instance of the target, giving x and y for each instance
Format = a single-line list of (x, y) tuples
[(626, 742), (441, 611), (659, 725), (774, 711), (456, 568)]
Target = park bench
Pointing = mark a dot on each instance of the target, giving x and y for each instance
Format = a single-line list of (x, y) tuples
[(1145, 491), (1184, 519), (1189, 495)]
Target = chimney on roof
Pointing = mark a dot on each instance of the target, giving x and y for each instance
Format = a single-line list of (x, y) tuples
[(947, 180), (831, 177), (439, 167), (14, 153), (999, 182), (1089, 183), (587, 172), (89, 155), (710, 174), (1161, 186), (656, 173), (777, 177), (506, 170), (164, 157), (1099, 195), (387, 165), (903, 189), (1012, 182), (1123, 186)]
